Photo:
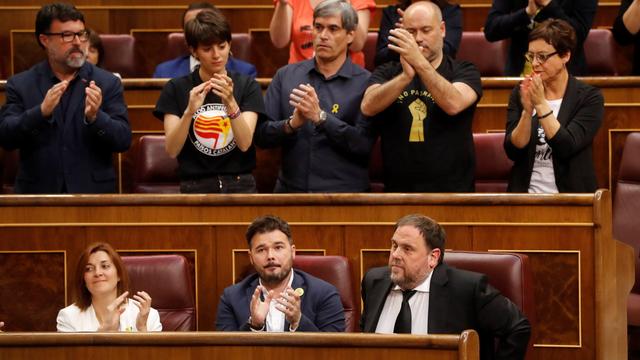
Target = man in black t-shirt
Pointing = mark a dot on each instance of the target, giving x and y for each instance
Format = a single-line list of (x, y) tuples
[(423, 108)]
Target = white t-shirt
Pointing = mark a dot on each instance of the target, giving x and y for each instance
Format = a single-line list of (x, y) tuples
[(543, 179)]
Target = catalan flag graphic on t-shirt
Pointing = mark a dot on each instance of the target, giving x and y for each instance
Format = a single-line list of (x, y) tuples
[(211, 131)]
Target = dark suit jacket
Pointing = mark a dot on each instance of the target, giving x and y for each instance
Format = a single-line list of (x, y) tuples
[(63, 150), (180, 67), (458, 300), (321, 306), (580, 118), (507, 19)]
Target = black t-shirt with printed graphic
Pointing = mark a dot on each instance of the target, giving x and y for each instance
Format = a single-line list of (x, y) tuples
[(210, 147), (423, 148)]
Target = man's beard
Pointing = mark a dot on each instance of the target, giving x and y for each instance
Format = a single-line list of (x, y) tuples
[(275, 278), (75, 62)]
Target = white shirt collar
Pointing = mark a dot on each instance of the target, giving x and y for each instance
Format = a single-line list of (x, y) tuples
[(193, 63)]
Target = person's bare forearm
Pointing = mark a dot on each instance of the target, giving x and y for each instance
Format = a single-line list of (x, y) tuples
[(379, 97), (631, 17)]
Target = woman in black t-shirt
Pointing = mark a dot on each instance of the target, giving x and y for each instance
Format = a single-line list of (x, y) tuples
[(210, 115)]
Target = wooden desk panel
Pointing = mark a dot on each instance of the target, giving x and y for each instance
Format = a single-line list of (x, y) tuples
[(239, 346), (581, 313)]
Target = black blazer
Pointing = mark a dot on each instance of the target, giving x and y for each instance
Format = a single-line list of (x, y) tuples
[(580, 117), (458, 300), (63, 148)]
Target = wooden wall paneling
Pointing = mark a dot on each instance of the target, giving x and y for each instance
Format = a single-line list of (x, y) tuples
[(266, 57), (32, 288), (550, 228), (25, 51), (151, 48), (35, 269), (236, 346)]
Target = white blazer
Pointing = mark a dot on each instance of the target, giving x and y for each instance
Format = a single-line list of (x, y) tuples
[(72, 319)]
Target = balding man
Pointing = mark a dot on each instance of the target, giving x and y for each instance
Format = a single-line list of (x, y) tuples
[(423, 108)]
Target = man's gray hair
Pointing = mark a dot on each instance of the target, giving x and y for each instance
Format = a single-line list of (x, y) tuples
[(342, 7)]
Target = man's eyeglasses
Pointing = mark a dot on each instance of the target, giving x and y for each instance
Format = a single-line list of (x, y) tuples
[(538, 56), (68, 36)]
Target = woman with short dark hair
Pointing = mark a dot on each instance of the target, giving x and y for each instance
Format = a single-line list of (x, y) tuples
[(101, 303), (552, 118), (210, 115)]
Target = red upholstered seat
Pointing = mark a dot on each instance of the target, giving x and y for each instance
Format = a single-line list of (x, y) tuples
[(492, 164), (600, 52), (167, 279), (240, 46), (8, 170), (154, 170), (119, 54), (335, 270), (489, 57), (508, 272), (176, 45), (626, 226), (369, 51)]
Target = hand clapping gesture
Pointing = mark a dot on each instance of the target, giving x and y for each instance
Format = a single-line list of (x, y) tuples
[(289, 304), (305, 101), (144, 305), (52, 98), (402, 42), (259, 309), (197, 95), (93, 100), (222, 85), (111, 322)]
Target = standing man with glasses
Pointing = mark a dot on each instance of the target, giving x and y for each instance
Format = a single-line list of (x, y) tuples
[(418, 293), (66, 116)]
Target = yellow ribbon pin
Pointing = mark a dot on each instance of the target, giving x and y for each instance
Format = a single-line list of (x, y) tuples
[(335, 108)]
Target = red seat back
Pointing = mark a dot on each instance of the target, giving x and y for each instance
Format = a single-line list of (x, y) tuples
[(489, 57), (167, 279), (154, 171), (119, 54), (600, 52), (492, 164)]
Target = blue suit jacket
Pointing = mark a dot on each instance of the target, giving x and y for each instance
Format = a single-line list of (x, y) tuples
[(321, 307), (180, 67), (63, 152)]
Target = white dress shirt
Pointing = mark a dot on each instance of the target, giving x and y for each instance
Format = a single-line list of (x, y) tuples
[(275, 318), (419, 304)]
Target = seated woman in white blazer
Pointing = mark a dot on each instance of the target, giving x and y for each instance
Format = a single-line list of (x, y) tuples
[(101, 302)]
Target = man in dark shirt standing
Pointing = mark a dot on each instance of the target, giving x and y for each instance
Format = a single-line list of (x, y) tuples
[(424, 106), (314, 111)]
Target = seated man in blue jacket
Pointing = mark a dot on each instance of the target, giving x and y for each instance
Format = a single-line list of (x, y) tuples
[(185, 64), (278, 298), (66, 116)]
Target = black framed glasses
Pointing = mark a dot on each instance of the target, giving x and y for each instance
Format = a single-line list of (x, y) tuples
[(538, 56), (68, 36)]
